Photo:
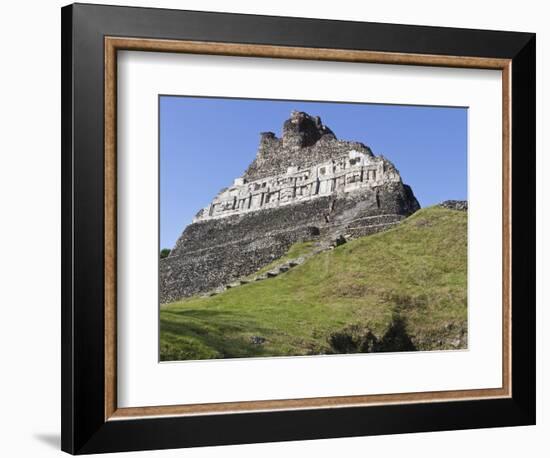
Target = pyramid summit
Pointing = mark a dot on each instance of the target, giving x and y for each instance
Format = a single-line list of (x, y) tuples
[(305, 141), (305, 186)]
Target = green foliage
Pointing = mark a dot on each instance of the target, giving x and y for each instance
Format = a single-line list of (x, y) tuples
[(402, 289), (164, 253)]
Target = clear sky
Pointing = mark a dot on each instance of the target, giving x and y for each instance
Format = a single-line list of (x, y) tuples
[(207, 142)]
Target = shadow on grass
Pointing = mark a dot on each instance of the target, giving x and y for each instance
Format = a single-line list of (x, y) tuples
[(358, 339), (396, 337), (206, 334)]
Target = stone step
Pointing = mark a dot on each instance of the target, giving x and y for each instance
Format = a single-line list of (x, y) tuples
[(329, 242)]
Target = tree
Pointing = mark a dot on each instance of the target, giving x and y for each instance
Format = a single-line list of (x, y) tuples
[(164, 253)]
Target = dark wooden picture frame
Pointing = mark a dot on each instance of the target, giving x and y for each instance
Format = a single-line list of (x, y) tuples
[(91, 37)]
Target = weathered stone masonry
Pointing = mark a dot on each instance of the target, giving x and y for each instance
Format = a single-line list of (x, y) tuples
[(306, 185)]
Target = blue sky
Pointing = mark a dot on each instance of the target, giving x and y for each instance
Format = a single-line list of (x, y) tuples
[(207, 142)]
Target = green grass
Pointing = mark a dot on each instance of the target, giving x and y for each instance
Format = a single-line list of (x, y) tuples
[(408, 281)]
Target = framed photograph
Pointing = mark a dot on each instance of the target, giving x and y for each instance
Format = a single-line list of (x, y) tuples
[(284, 228)]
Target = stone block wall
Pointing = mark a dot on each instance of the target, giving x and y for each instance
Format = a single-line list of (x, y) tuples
[(214, 253)]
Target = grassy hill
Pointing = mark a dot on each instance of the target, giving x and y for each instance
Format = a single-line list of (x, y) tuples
[(403, 289)]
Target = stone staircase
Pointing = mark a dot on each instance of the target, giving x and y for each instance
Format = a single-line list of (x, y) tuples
[(329, 239), (274, 272)]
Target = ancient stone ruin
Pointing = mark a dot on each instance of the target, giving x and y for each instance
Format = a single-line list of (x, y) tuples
[(460, 205), (306, 185)]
